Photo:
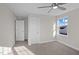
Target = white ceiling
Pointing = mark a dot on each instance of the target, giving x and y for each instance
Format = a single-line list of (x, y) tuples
[(24, 9)]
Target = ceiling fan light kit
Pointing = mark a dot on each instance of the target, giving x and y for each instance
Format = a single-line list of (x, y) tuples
[(55, 7)]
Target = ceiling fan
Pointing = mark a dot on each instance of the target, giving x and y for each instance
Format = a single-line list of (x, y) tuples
[(54, 6)]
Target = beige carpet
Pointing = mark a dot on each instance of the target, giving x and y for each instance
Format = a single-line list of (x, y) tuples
[(51, 48)]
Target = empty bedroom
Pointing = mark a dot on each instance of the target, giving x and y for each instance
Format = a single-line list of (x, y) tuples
[(39, 29)]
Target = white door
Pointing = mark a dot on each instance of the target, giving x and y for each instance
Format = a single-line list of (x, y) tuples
[(19, 30)]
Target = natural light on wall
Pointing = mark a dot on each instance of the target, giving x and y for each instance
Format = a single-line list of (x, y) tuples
[(54, 29)]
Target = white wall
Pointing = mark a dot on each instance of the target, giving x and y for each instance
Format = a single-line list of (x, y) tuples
[(7, 27), (44, 30), (73, 30)]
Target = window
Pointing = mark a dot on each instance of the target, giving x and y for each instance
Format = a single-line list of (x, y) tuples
[(62, 24)]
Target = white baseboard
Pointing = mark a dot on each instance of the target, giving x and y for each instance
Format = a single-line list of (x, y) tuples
[(46, 41), (40, 42), (75, 48)]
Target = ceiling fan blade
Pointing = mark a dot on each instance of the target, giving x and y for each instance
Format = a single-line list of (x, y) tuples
[(45, 7), (62, 8), (61, 3), (50, 10)]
